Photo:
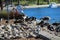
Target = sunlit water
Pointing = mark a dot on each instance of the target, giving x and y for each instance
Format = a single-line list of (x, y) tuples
[(54, 13)]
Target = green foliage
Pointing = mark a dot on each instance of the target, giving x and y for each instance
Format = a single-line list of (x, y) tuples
[(35, 2), (31, 2)]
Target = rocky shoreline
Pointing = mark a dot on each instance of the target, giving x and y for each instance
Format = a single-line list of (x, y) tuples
[(27, 28)]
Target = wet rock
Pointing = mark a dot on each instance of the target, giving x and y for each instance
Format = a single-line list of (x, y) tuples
[(50, 27), (56, 24), (46, 18)]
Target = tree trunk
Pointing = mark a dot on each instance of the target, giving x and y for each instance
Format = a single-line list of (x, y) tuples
[(18, 2), (1, 5), (11, 2), (48, 1), (37, 2)]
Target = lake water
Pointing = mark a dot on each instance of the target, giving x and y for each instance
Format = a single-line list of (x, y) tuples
[(54, 13)]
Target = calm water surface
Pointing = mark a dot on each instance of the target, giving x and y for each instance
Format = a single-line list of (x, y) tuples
[(54, 13)]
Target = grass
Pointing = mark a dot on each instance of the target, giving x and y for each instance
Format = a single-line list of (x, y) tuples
[(3, 12)]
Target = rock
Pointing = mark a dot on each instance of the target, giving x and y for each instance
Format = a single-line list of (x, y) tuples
[(46, 18)]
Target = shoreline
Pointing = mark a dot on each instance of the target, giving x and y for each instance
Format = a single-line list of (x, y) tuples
[(42, 32), (37, 6), (33, 6)]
